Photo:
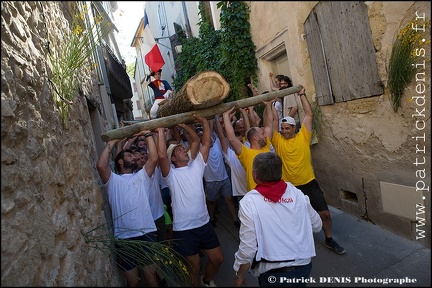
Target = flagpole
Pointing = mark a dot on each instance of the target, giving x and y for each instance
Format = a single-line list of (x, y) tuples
[(159, 38)]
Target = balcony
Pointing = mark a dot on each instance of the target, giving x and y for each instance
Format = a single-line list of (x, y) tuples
[(118, 78)]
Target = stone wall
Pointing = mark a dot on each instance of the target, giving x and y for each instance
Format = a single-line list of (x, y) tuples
[(50, 191)]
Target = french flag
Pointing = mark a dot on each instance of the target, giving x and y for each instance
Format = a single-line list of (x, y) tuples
[(152, 55)]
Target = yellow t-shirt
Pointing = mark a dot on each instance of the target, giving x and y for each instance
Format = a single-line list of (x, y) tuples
[(296, 157), (244, 139), (246, 158)]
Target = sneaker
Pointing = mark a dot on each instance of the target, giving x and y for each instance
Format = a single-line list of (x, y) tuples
[(237, 224), (211, 284), (335, 247)]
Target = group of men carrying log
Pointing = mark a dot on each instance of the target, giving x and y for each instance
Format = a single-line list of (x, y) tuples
[(182, 167)]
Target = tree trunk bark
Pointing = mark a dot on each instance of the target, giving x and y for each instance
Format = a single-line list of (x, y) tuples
[(206, 89), (189, 117)]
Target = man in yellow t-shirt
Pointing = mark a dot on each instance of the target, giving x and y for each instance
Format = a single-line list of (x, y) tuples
[(257, 137), (246, 158), (294, 150)]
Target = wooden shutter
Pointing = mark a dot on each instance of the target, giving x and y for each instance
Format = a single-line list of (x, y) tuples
[(318, 61), (342, 54)]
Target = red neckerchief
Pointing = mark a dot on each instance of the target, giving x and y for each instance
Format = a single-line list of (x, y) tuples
[(157, 84), (272, 190)]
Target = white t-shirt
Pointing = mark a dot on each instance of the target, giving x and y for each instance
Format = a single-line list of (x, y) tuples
[(162, 181), (130, 206), (188, 199), (155, 196), (278, 108), (238, 173), (215, 169), (289, 102)]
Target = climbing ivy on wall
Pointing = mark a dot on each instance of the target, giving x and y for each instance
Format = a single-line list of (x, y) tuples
[(229, 51), (198, 53), (238, 49)]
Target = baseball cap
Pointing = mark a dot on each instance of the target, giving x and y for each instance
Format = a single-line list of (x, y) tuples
[(288, 120), (170, 150)]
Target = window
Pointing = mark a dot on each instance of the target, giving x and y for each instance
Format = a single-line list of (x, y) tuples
[(342, 53), (162, 17)]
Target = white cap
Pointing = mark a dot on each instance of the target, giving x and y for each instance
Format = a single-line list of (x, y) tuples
[(288, 120), (170, 150)]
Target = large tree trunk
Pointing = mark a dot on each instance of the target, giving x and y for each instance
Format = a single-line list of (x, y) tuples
[(189, 117), (206, 89)]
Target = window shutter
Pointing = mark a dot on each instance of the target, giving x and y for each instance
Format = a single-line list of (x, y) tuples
[(318, 63), (343, 31)]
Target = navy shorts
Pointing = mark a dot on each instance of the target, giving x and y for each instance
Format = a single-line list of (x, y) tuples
[(190, 242), (315, 194), (127, 258)]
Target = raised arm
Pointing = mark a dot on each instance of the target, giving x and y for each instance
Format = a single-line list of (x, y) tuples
[(175, 134), (275, 119), (102, 164), (268, 118), (233, 118), (293, 110), (229, 130), (120, 146), (246, 120), (308, 119), (130, 142), (254, 118), (164, 163), (252, 89), (219, 132), (272, 86), (152, 161), (206, 140), (193, 139)]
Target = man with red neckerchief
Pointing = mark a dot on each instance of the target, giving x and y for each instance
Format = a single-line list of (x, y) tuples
[(161, 89), (277, 226)]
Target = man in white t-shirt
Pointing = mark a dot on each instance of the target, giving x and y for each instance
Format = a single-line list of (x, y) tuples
[(277, 226), (130, 206), (154, 195), (192, 230), (217, 181), (238, 173)]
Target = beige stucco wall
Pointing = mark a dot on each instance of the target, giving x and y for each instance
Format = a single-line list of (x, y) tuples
[(363, 141), (50, 195)]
